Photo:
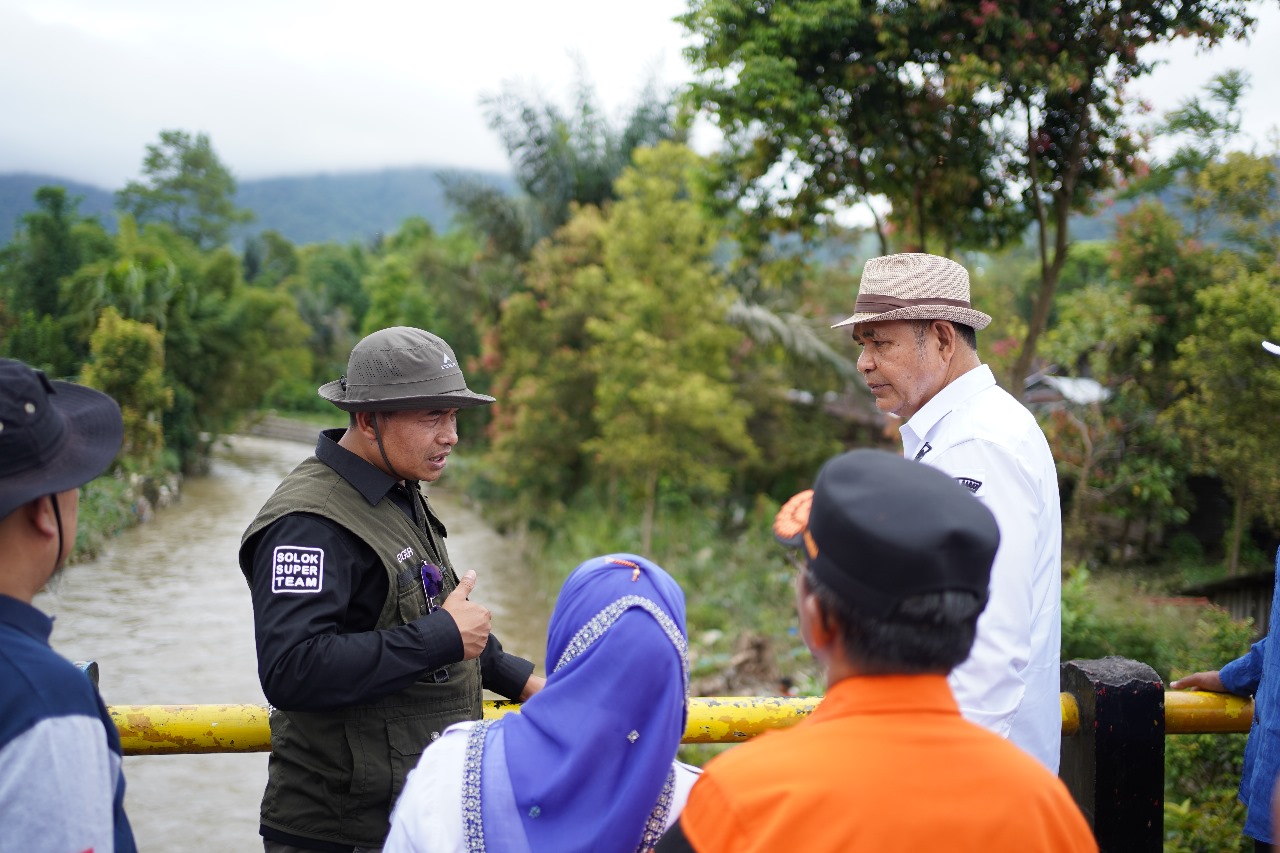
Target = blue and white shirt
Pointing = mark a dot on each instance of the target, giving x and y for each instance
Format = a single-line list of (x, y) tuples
[(1257, 674), (978, 433), (61, 785)]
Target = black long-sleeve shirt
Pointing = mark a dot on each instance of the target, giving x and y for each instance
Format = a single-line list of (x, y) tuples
[(319, 651)]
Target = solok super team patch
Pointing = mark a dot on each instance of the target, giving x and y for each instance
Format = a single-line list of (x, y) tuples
[(297, 569)]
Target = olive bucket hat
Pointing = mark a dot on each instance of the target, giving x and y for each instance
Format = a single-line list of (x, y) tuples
[(401, 368), (54, 436)]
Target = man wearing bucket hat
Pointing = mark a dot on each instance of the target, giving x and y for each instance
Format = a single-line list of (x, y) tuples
[(888, 598), (61, 785), (919, 357), (368, 647)]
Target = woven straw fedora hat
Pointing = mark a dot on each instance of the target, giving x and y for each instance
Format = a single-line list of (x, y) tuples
[(914, 286)]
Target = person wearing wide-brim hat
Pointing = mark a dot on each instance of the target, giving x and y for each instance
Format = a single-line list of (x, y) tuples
[(895, 563), (368, 647), (918, 331), (61, 785)]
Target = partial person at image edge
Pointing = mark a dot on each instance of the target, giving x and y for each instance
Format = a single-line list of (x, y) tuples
[(888, 598), (61, 784), (1256, 674)]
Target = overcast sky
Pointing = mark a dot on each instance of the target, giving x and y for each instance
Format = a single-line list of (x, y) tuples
[(292, 87)]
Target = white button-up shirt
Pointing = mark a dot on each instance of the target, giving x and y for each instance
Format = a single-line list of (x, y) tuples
[(978, 433)]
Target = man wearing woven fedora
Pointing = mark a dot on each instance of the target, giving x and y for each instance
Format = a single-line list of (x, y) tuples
[(918, 333), (368, 647), (61, 785)]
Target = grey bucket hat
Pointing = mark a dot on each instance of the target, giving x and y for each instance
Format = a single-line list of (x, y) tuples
[(401, 368), (914, 286)]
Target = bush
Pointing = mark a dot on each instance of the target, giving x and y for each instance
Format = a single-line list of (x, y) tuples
[(1108, 615)]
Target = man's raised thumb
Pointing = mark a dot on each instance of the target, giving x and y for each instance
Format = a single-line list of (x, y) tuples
[(467, 583)]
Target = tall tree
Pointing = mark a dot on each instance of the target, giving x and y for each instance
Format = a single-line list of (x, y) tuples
[(1047, 78), (666, 407), (187, 187), (1232, 397), (564, 158), (52, 243), (561, 158), (831, 104), (1206, 125), (126, 360)]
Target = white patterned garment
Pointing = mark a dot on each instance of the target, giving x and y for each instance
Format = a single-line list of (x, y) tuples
[(435, 823)]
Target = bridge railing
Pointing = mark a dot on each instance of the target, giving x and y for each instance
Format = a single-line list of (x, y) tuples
[(1115, 716)]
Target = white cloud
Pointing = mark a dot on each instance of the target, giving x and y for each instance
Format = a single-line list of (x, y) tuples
[(287, 87)]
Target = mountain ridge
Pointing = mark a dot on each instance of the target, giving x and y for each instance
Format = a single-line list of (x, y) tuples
[(336, 206)]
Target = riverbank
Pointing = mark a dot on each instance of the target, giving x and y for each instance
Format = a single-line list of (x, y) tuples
[(123, 499)]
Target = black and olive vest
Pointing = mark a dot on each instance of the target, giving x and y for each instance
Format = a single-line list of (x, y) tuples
[(335, 775)]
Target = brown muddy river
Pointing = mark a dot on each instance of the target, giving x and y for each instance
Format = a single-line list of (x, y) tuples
[(166, 614)]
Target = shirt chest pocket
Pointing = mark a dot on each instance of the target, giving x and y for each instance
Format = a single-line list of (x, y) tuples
[(411, 599)]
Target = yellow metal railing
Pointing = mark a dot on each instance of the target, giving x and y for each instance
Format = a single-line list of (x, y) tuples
[(1193, 712), (188, 729)]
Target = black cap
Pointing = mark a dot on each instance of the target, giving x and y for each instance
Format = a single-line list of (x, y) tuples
[(54, 436), (878, 529)]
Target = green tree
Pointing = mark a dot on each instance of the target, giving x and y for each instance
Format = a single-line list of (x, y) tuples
[(126, 360), (187, 187), (1206, 125), (1163, 269), (396, 297), (665, 407), (52, 242), (1243, 192), (544, 377), (269, 259), (561, 159), (1231, 387), (1047, 80), (139, 280), (226, 346), (830, 105)]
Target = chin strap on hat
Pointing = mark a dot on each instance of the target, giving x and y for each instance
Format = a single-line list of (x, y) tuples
[(378, 436), (57, 515)]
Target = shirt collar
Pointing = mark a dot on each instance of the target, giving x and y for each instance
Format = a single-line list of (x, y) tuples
[(953, 394), (887, 694), (370, 481), (25, 618)]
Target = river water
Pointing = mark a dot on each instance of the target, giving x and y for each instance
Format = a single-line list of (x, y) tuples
[(166, 614)]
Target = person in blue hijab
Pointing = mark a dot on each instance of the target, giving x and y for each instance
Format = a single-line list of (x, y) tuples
[(589, 762)]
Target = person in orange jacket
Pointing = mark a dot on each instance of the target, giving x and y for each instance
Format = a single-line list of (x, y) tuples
[(896, 572)]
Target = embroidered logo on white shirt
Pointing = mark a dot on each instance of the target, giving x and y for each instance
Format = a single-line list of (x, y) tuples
[(297, 569), (970, 483)]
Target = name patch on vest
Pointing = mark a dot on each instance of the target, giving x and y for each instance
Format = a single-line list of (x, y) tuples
[(969, 483), (297, 569)]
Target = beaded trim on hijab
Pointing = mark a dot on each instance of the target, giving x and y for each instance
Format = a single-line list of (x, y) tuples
[(472, 819), (602, 621)]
